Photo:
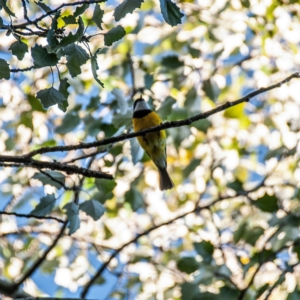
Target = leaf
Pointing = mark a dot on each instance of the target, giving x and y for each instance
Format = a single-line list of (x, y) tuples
[(114, 35), (126, 7), (72, 38), (251, 236), (47, 180), (80, 10), (18, 49), (72, 212), (45, 206), (210, 90), (6, 8), (98, 15), (95, 67), (51, 96), (172, 62), (4, 69), (92, 208), (70, 121), (205, 249), (41, 57), (136, 150), (202, 125), (43, 6), (123, 120), (120, 97), (189, 290), (187, 264), (76, 51), (105, 186), (134, 198), (69, 20), (194, 163), (267, 203), (170, 12), (1, 22), (166, 108), (227, 293), (63, 87), (73, 66), (51, 37)]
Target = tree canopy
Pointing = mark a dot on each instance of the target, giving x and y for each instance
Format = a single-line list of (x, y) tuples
[(81, 214)]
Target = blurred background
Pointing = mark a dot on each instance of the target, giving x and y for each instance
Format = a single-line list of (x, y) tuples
[(229, 229)]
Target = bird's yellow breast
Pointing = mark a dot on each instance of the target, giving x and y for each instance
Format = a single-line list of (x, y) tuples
[(154, 143)]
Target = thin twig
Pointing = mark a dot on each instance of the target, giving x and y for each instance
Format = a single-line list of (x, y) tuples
[(21, 161), (31, 216)]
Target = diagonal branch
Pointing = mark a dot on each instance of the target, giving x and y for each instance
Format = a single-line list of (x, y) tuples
[(21, 161), (165, 125), (31, 216)]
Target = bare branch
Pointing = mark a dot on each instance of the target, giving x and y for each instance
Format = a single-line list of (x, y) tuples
[(165, 125), (31, 216), (21, 161)]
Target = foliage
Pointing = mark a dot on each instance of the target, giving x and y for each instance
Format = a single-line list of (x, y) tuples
[(69, 75)]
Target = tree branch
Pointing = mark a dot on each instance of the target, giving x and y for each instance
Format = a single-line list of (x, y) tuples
[(165, 125), (22, 161), (31, 216)]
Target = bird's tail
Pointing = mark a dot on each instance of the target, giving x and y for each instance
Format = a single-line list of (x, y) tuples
[(165, 182)]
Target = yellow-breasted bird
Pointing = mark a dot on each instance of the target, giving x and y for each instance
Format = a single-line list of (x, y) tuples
[(154, 143)]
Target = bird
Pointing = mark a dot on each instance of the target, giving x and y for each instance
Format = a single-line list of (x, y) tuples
[(154, 143)]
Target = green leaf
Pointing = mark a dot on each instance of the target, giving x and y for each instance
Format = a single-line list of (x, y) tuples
[(187, 264), (267, 203), (4, 69), (205, 249), (136, 150), (47, 180), (253, 234), (73, 66), (69, 123), (41, 57), (126, 7), (95, 67), (51, 96), (227, 293), (172, 62), (191, 167), (202, 125), (170, 12), (35, 103), (1, 22), (134, 198), (6, 8), (189, 290), (166, 108), (92, 208), (72, 212), (63, 87), (210, 91), (45, 206), (114, 35), (18, 49), (97, 16), (80, 10), (69, 20), (123, 120), (76, 51), (105, 186), (240, 232), (43, 6), (72, 38), (51, 38)]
